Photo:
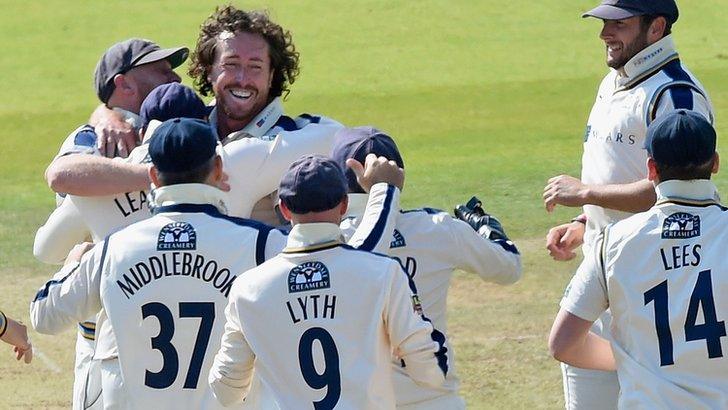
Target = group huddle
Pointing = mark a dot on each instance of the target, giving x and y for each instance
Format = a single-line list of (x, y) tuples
[(238, 256), (228, 255)]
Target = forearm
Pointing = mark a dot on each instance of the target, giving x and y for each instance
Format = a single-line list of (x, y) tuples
[(88, 175), (633, 197), (12, 332), (592, 352)]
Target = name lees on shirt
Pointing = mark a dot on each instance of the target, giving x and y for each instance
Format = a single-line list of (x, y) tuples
[(131, 202)]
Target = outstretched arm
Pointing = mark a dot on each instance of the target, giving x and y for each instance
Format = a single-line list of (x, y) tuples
[(89, 175), (569, 191)]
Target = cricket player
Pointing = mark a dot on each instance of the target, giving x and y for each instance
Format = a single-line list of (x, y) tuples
[(646, 80), (248, 62), (663, 275), (430, 245), (318, 322), (125, 74)]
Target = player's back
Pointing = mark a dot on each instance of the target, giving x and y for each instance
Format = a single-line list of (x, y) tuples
[(315, 321), (667, 281), (164, 291), (429, 245)]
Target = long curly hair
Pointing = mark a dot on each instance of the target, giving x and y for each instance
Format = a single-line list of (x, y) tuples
[(283, 55)]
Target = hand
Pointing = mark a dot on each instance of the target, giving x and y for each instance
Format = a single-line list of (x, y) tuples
[(17, 335), (24, 351), (564, 190), (78, 251), (563, 239), (376, 170), (115, 137)]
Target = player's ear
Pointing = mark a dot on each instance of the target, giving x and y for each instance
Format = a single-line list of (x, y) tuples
[(652, 173), (122, 83), (344, 205), (716, 163), (154, 176), (285, 211), (657, 29)]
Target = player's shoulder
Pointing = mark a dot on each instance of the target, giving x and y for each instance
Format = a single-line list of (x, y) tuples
[(424, 219), (305, 120)]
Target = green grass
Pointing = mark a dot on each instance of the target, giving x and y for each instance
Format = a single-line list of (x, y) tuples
[(483, 97)]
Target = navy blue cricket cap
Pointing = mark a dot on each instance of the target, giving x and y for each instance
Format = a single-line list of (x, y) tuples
[(681, 138), (182, 144), (313, 183), (172, 100), (359, 142), (127, 54), (624, 9)]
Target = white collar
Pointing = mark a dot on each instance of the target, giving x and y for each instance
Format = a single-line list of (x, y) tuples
[(129, 117), (188, 194), (695, 189), (257, 127), (651, 57), (311, 236)]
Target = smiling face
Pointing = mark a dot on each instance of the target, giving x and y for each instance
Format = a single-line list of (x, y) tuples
[(623, 40), (241, 77)]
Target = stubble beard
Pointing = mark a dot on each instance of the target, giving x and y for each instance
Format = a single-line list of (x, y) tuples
[(630, 50)]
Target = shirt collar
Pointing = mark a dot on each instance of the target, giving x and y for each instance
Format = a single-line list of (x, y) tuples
[(257, 127), (693, 190), (188, 194), (647, 60), (129, 117), (312, 236)]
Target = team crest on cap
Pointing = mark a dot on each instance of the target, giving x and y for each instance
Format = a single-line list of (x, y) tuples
[(398, 241), (177, 236), (308, 276), (681, 225)]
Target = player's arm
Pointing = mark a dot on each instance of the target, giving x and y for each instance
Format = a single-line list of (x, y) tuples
[(568, 191), (383, 180), (585, 299), (480, 245), (62, 231), (90, 175), (413, 339), (73, 293), (232, 370), (16, 334)]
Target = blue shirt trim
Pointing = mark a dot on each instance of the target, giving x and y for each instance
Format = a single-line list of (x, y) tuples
[(378, 230)]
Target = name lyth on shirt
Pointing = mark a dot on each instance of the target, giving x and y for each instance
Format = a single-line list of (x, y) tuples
[(168, 264), (312, 307)]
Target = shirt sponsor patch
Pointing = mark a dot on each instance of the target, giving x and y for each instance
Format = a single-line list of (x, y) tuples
[(308, 276), (177, 236), (398, 241), (416, 305), (681, 225)]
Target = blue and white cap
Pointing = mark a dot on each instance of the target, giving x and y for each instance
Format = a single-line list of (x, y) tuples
[(681, 138), (313, 183), (359, 142), (182, 144)]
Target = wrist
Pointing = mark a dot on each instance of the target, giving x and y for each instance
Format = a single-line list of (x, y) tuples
[(580, 219)]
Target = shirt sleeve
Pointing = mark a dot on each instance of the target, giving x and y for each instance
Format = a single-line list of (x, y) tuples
[(586, 295), (64, 229), (494, 261), (413, 339), (232, 370), (684, 98), (71, 296), (374, 232), (81, 141), (255, 166)]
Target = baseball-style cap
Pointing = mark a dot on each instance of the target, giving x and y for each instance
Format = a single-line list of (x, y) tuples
[(359, 142), (680, 139), (623, 9), (182, 144), (313, 183), (125, 55), (172, 100)]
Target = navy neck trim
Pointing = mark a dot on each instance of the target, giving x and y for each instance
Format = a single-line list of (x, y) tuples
[(188, 208)]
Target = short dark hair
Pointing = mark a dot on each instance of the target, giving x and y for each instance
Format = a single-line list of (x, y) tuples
[(647, 19), (195, 175), (699, 171), (283, 55)]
